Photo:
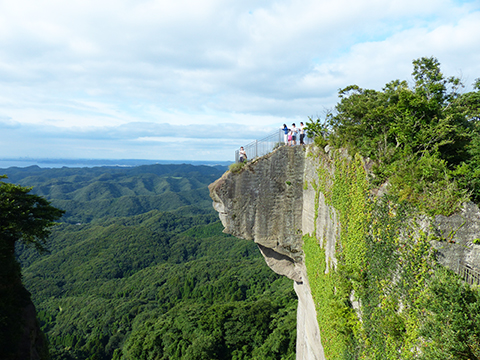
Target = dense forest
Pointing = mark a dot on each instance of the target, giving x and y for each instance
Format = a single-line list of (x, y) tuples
[(138, 268)]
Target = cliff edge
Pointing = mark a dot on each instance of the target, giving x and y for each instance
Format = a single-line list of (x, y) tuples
[(266, 202)]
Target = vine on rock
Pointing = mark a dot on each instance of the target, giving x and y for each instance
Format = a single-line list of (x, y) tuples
[(384, 299)]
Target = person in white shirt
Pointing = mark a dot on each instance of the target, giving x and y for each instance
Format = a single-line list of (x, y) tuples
[(302, 133), (243, 154)]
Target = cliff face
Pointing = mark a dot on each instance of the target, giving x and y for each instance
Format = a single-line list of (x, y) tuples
[(272, 201), (266, 203), (20, 334), (32, 344), (460, 234)]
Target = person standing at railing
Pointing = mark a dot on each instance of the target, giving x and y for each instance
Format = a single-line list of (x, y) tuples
[(242, 155), (302, 133), (294, 134), (285, 131)]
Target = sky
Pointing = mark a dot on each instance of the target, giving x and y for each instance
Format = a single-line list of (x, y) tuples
[(196, 79)]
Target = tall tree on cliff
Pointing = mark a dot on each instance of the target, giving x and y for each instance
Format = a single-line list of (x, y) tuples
[(26, 218), (424, 139)]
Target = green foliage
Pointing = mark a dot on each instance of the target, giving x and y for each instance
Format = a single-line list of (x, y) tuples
[(456, 306), (92, 193), (236, 167), (318, 130), (154, 279), (135, 282), (24, 218), (346, 191), (336, 317), (422, 139), (407, 306), (234, 330), (424, 142)]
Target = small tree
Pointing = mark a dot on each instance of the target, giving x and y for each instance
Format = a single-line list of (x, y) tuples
[(24, 217)]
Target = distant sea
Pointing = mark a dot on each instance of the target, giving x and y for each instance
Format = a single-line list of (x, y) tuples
[(74, 163)]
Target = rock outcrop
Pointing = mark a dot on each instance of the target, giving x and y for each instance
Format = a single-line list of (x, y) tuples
[(20, 334), (459, 235), (33, 345), (264, 203), (268, 202)]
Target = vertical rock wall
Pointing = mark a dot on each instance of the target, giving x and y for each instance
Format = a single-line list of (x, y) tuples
[(266, 202), (263, 202), (460, 238)]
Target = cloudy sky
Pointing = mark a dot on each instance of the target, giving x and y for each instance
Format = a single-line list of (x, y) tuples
[(195, 79)]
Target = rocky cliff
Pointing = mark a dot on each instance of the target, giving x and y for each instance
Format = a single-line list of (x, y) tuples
[(20, 334), (264, 202), (275, 200)]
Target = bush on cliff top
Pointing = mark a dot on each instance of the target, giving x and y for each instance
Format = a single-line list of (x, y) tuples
[(424, 139)]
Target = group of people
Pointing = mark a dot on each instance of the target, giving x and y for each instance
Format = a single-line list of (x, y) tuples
[(290, 139), (290, 136)]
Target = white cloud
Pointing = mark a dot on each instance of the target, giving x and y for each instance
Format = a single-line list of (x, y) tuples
[(83, 66)]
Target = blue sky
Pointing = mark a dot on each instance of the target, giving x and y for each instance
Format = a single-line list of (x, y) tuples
[(194, 80)]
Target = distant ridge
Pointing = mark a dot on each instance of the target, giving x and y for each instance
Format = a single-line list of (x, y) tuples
[(58, 163)]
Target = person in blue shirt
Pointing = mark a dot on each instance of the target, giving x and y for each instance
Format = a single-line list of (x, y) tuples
[(285, 131)]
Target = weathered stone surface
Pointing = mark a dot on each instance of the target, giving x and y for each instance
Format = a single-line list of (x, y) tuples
[(22, 336), (309, 344), (328, 228), (458, 233), (33, 345), (266, 202)]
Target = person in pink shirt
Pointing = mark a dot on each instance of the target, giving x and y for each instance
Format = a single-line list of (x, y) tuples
[(294, 134)]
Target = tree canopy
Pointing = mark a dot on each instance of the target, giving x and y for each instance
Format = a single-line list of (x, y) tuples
[(140, 268), (424, 139), (25, 217)]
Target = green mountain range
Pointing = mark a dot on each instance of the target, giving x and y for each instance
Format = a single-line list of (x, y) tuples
[(139, 269)]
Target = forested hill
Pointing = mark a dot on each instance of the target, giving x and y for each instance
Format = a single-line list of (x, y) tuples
[(139, 268), (91, 193)]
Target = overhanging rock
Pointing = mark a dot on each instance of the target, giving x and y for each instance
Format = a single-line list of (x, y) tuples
[(264, 202)]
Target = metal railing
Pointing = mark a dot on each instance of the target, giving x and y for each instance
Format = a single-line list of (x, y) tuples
[(469, 274), (266, 145)]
